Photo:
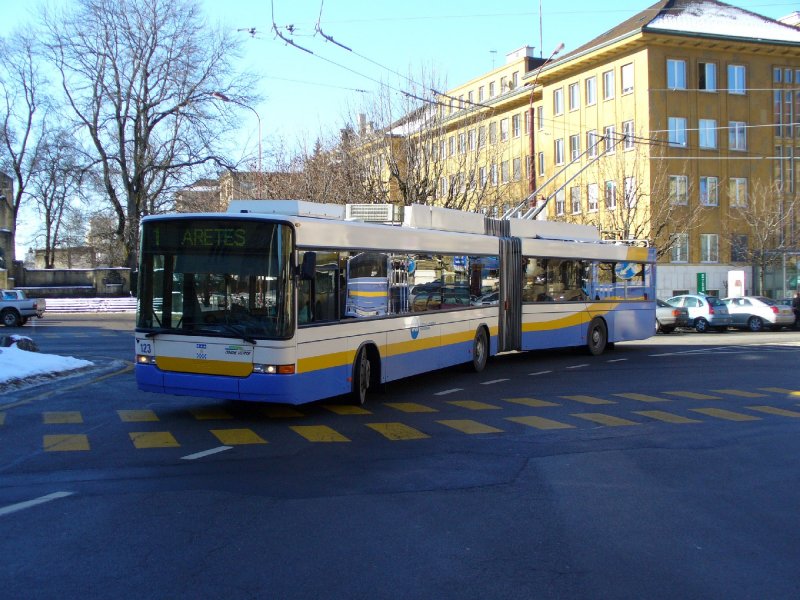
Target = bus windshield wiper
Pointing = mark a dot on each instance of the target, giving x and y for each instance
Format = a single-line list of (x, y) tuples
[(154, 332), (225, 328)]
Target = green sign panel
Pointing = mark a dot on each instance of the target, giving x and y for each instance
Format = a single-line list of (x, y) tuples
[(701, 283)]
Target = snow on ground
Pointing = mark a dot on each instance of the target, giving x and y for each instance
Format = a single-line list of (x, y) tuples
[(18, 364)]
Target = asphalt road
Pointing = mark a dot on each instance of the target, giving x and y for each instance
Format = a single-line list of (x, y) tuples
[(663, 469)]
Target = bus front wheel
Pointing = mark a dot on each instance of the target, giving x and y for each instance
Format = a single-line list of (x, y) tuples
[(361, 377), (596, 337), (480, 350)]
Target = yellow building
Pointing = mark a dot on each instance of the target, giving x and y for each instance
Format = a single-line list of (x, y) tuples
[(680, 126)]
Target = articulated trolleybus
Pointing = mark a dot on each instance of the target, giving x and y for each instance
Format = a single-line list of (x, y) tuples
[(292, 302)]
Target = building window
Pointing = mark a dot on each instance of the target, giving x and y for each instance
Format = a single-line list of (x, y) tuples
[(443, 187), (516, 169), (677, 131), (574, 96), (559, 151), (574, 146), (737, 135), (451, 145), (471, 98), (627, 135), (737, 192), (482, 176), (471, 140), (592, 141), (676, 74), (592, 195), (493, 173), (462, 143), (678, 190), (503, 84), (627, 78), (504, 171), (739, 245), (709, 247), (708, 133), (629, 189), (736, 79), (514, 80), (591, 91), (560, 200), (527, 122), (679, 253), (709, 191), (481, 94), (491, 89), (558, 101), (493, 132), (575, 199), (540, 160), (611, 195), (503, 130), (608, 85), (610, 138), (707, 77), (481, 137), (516, 122), (540, 117)]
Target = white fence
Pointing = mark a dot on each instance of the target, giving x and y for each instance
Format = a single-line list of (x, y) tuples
[(80, 305)]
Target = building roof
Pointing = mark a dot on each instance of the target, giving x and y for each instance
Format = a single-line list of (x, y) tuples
[(697, 18)]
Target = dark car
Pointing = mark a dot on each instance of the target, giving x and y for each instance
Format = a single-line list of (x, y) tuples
[(669, 317)]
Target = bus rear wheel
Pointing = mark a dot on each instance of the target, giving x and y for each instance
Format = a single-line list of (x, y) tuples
[(596, 337), (480, 350), (362, 373)]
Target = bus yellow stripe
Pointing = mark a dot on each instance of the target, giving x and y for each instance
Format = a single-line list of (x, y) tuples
[(206, 367), (368, 294), (325, 361)]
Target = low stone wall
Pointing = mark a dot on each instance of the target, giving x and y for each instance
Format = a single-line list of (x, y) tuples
[(76, 283)]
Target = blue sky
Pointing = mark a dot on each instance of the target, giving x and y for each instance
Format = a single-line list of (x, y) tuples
[(305, 94)]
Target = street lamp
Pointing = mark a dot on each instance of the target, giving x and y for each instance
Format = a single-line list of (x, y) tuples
[(224, 98), (532, 168)]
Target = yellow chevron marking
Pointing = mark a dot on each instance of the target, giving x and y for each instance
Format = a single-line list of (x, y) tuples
[(473, 405), (602, 419), (588, 399), (319, 433), (668, 417), (470, 427), (777, 390), (728, 415), (153, 439), (411, 407), (137, 416), (531, 402), (740, 393), (642, 397), (346, 409), (397, 431), (693, 395), (65, 443), (238, 437), (540, 423), (771, 410), (58, 418)]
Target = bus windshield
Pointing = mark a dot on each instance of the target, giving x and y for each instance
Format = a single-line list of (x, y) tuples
[(225, 277)]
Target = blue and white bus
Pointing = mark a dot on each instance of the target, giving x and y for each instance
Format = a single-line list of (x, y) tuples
[(289, 302)]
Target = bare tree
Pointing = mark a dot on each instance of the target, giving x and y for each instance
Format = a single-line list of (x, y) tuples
[(142, 77), (22, 114), (758, 226)]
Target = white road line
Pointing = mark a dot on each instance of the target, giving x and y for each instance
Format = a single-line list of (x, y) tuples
[(578, 366), (492, 381), (445, 392), (36, 501), (540, 373), (206, 453), (617, 360)]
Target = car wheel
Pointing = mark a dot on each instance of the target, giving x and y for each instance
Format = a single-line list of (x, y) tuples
[(596, 337), (701, 325), (480, 350), (755, 324), (10, 318)]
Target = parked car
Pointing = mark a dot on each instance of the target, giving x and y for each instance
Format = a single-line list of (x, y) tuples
[(669, 317), (789, 302), (756, 312), (16, 308), (705, 312)]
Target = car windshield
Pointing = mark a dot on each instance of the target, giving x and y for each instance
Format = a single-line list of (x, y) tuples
[(714, 301), (765, 300), (661, 303)]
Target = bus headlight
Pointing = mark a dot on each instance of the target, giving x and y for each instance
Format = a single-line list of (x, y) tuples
[(273, 369), (145, 359)]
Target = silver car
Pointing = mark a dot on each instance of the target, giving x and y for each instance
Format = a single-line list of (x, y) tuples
[(669, 317), (705, 312), (756, 312)]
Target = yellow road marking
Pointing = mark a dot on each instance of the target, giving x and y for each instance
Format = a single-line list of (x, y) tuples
[(58, 418), (281, 412), (777, 390), (344, 409), (473, 405), (643, 397), (693, 395), (668, 417), (238, 437), (210, 414), (771, 410), (65, 443), (137, 416), (728, 415), (531, 402), (540, 423), (470, 427), (588, 399), (411, 407), (319, 433), (602, 419), (153, 439), (740, 393), (397, 431)]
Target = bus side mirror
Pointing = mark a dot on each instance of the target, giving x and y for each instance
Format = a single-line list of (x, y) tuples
[(309, 267)]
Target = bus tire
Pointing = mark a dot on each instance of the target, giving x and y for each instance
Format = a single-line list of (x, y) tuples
[(480, 350), (596, 337), (362, 375)]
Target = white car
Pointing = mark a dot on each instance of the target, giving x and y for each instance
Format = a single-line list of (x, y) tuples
[(705, 312), (756, 312)]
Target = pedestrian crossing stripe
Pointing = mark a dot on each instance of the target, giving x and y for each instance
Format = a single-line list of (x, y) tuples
[(137, 416), (61, 418), (667, 417), (469, 427), (728, 415), (777, 390), (642, 397), (153, 439), (397, 431), (607, 420), (473, 405), (740, 393), (411, 407), (771, 410), (237, 437), (540, 423), (346, 409), (65, 443), (693, 395), (589, 399), (533, 402), (319, 433)]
